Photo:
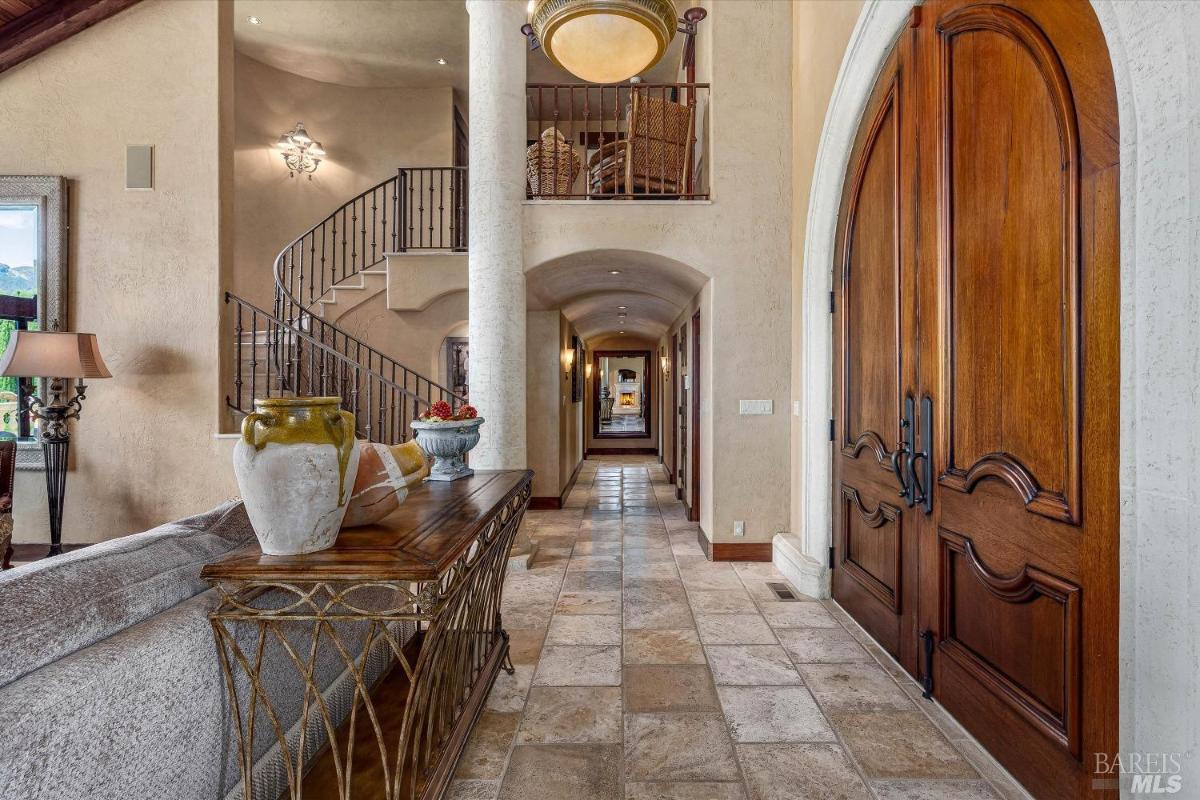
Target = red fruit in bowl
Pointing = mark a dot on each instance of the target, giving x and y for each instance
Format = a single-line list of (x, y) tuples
[(441, 410)]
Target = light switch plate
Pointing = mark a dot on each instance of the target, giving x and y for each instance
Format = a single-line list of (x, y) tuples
[(750, 407), (796, 408)]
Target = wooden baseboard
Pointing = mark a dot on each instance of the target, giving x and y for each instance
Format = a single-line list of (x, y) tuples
[(622, 451), (733, 551), (555, 503), (666, 469)]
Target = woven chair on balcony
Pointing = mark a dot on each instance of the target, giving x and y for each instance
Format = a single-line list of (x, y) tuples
[(551, 165), (655, 158)]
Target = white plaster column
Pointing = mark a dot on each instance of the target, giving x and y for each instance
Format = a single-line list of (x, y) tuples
[(495, 262), (496, 280)]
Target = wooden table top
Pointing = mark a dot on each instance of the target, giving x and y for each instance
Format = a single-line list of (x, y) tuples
[(418, 542)]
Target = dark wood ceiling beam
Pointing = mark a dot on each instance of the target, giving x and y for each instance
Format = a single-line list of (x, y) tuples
[(47, 25)]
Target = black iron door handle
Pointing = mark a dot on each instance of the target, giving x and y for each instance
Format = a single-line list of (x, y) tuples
[(897, 467), (903, 453), (921, 481)]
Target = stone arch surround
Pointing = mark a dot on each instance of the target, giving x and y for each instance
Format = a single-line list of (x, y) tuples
[(1155, 53)]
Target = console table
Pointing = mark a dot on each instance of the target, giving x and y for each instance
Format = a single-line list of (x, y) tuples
[(437, 565)]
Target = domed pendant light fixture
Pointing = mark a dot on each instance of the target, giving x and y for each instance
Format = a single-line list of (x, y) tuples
[(603, 41)]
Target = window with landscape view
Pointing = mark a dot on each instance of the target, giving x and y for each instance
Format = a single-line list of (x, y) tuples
[(19, 259)]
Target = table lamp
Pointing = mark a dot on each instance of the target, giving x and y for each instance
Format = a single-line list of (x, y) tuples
[(56, 356)]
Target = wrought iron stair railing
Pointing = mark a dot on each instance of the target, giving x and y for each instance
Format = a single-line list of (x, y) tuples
[(384, 396), (293, 351)]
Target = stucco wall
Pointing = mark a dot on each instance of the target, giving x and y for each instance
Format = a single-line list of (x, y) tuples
[(742, 241), (144, 265), (413, 338), (543, 392), (367, 133), (820, 31)]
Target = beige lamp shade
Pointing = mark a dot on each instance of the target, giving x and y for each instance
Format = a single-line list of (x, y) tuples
[(604, 41), (52, 354)]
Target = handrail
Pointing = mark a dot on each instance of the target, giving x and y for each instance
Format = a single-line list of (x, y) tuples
[(617, 141), (383, 405), (358, 235)]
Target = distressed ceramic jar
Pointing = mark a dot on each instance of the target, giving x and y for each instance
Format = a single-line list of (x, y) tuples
[(448, 441), (296, 464)]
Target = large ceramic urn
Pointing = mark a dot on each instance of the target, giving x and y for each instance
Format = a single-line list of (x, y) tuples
[(296, 464)]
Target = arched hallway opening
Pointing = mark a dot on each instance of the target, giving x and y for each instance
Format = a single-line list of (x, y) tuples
[(626, 306)]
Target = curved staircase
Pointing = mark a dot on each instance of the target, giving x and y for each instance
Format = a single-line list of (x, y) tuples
[(296, 349)]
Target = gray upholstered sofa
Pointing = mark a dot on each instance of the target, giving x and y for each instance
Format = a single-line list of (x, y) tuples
[(110, 686)]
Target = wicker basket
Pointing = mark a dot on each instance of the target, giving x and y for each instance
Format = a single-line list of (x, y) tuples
[(551, 165)]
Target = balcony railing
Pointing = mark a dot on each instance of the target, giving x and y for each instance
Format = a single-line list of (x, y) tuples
[(617, 141), (432, 208)]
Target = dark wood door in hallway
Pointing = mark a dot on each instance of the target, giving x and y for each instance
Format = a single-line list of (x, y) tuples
[(976, 375)]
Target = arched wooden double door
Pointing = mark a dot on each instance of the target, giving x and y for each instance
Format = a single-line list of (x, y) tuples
[(976, 379)]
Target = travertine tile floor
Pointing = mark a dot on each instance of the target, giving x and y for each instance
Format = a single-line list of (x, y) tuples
[(645, 672)]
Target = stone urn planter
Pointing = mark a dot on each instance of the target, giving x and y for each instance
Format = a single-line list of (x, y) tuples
[(448, 441), (296, 464)]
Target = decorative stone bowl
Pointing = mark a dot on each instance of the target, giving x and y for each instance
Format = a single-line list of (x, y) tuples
[(448, 442)]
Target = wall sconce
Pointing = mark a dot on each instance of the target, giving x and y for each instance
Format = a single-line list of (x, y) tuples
[(588, 370), (665, 363), (300, 151), (568, 361)]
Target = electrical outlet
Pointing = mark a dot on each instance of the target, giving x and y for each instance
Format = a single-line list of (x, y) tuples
[(796, 408), (739, 527)]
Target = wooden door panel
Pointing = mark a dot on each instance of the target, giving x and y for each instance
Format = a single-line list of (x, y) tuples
[(875, 551), (1017, 345), (984, 613), (870, 547), (977, 275), (870, 314), (1009, 181)]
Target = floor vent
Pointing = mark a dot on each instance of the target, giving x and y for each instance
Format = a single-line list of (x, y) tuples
[(782, 590)]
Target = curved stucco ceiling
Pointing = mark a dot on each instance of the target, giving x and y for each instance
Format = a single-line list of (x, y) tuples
[(385, 42), (654, 290), (359, 42)]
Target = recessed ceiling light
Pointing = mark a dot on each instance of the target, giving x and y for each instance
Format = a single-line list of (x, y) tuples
[(254, 20), (442, 61), (622, 307), (614, 272), (621, 332)]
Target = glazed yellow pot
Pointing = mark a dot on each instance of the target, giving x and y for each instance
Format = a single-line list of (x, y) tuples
[(296, 464)]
